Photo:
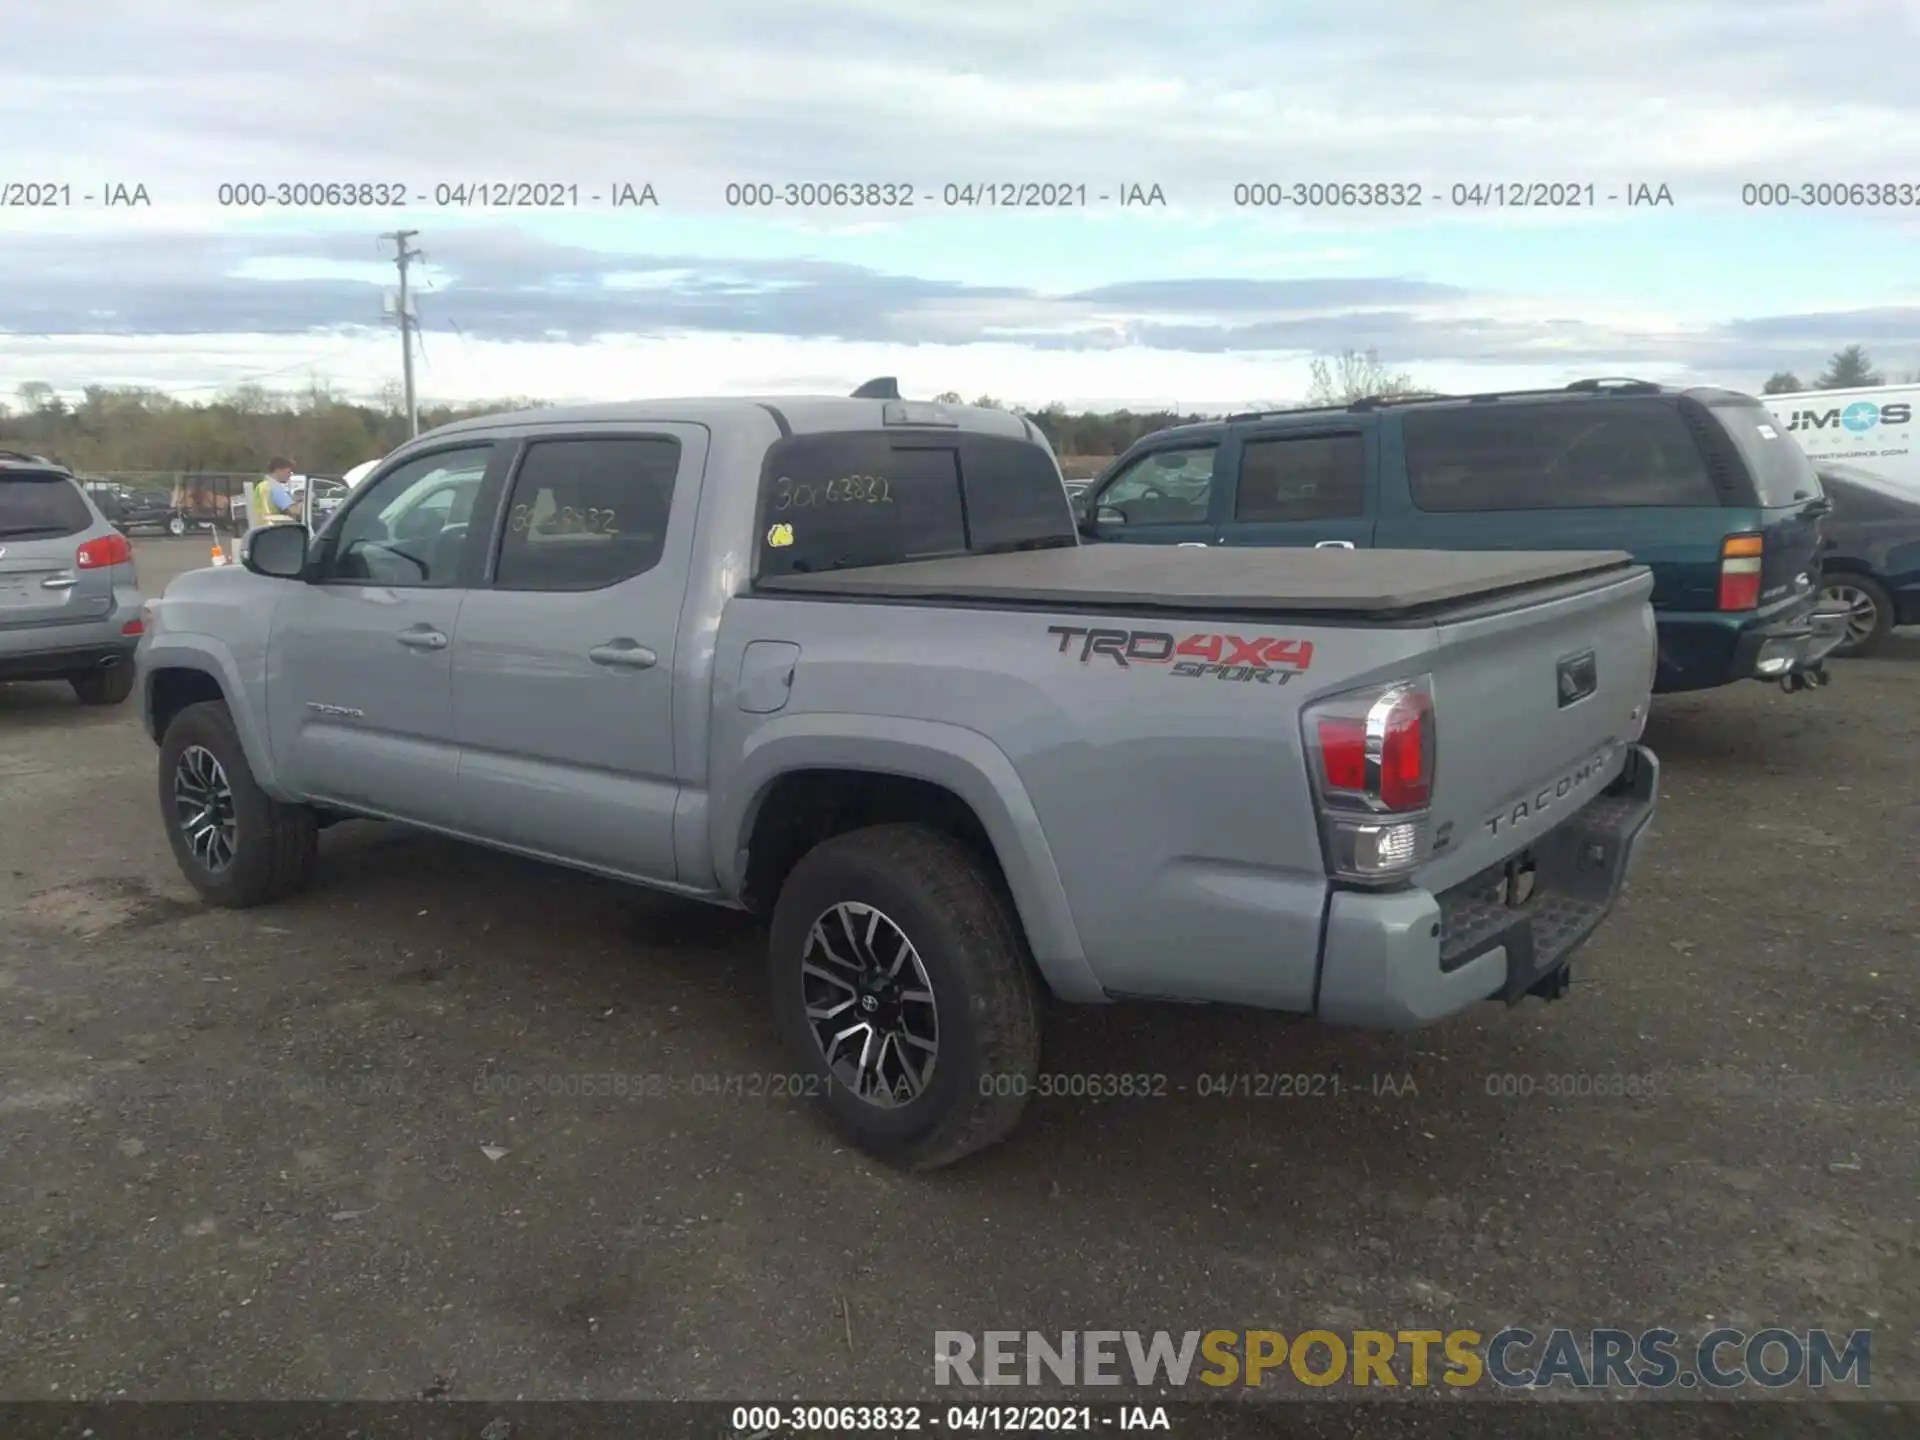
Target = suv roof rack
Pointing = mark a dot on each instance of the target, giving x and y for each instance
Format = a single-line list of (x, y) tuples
[(885, 387), (22, 456), (1599, 385)]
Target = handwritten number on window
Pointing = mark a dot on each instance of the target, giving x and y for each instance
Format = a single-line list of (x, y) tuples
[(843, 490)]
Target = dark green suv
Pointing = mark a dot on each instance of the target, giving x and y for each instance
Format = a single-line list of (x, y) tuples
[(1701, 485)]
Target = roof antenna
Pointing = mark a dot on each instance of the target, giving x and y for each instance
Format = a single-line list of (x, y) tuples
[(884, 388)]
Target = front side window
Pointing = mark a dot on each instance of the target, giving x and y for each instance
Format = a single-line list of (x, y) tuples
[(1167, 487), (410, 528)]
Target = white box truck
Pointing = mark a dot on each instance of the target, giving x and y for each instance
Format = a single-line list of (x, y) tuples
[(1871, 429)]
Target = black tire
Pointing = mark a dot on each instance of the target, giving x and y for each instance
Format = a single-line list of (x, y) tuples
[(176, 524), (104, 685), (1865, 590), (962, 925), (275, 846)]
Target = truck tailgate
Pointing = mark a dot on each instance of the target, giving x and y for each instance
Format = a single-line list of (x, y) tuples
[(1535, 701)]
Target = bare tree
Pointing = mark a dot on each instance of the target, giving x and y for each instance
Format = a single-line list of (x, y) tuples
[(1357, 375), (947, 397)]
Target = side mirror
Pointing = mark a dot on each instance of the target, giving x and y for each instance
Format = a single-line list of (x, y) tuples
[(278, 551), (1108, 515)]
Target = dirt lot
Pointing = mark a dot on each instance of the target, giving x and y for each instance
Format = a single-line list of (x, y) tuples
[(299, 1151)]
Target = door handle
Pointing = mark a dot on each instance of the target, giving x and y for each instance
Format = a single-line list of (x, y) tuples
[(424, 638), (623, 655), (1192, 545), (1333, 545), (60, 582)]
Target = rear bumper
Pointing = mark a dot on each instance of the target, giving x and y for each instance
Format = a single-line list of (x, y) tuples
[(50, 652), (1408, 958), (1706, 650)]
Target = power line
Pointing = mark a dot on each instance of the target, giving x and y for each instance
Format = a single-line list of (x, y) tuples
[(403, 310)]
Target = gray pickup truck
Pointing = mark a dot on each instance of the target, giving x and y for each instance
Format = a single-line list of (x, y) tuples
[(844, 662)]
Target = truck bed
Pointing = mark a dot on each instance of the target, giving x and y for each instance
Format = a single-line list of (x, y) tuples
[(1350, 585)]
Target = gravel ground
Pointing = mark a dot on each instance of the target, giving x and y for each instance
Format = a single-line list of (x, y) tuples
[(312, 1151)]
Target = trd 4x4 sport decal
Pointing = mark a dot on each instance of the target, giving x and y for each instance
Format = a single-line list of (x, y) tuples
[(1264, 659)]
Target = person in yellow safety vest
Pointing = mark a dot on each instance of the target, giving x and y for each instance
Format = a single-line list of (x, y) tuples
[(270, 499)]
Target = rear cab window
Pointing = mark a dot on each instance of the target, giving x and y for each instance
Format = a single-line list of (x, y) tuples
[(1555, 456), (1781, 473), (41, 504), (845, 499)]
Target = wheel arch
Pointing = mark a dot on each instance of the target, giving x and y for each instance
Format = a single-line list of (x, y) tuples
[(173, 676), (804, 778)]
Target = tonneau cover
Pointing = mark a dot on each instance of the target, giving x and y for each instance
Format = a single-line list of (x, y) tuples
[(1378, 583)]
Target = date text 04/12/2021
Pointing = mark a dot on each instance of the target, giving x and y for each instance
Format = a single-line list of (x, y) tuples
[(951, 195), (761, 1422), (440, 195), (1461, 195)]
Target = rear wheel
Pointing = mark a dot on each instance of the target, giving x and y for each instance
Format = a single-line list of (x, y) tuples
[(235, 843), (104, 685), (176, 524), (1869, 612), (903, 988)]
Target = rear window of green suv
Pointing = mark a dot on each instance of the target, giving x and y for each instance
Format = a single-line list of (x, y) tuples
[(1554, 455), (1782, 474), (40, 503)]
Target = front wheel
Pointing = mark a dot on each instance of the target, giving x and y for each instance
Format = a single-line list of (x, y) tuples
[(1869, 612), (903, 988), (235, 843)]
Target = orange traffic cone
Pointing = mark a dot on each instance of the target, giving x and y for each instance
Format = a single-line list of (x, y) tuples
[(219, 555)]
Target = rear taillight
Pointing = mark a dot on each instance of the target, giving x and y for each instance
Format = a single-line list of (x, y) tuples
[(1372, 754), (1740, 571), (107, 550)]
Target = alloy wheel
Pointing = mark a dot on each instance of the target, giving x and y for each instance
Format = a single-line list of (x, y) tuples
[(203, 808), (870, 1005), (1863, 614)]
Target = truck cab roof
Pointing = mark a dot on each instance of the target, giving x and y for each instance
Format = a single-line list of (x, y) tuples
[(792, 414)]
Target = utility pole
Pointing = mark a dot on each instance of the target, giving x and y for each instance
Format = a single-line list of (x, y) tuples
[(408, 324)]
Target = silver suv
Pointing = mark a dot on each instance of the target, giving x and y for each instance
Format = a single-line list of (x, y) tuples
[(69, 598)]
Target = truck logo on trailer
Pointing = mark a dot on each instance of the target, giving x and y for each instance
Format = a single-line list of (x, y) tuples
[(1859, 417)]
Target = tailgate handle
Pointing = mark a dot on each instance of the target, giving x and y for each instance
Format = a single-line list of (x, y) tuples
[(1333, 545), (60, 582)]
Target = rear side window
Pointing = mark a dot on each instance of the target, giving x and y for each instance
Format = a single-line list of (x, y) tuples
[(1309, 477), (41, 506), (837, 501), (1782, 474), (1610, 454), (585, 514)]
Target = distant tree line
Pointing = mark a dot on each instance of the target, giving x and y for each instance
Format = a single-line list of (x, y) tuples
[(1849, 369), (122, 429)]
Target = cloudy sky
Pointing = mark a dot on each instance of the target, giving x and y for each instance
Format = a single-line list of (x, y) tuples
[(1192, 298)]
